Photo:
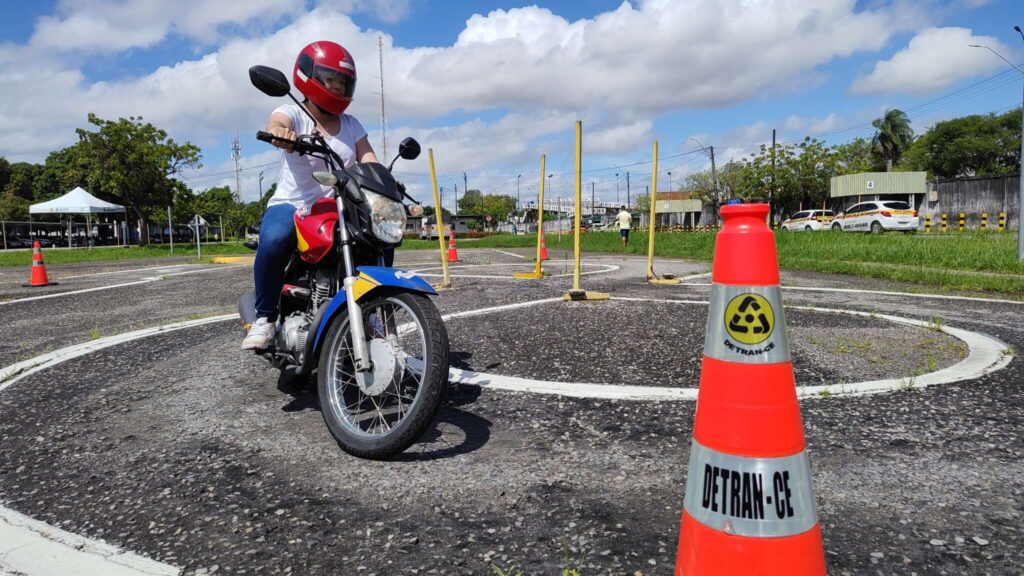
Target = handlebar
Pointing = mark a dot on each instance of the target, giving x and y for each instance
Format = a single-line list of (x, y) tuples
[(301, 145)]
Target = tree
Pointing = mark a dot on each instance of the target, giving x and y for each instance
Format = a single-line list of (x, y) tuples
[(856, 156), (23, 176), (497, 207), (134, 163), (471, 202), (976, 145), (893, 136), (13, 207), (5, 172), (813, 166), (64, 170)]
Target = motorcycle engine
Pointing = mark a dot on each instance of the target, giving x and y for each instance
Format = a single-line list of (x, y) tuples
[(294, 332)]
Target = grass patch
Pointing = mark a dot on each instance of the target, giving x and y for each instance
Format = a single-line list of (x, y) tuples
[(960, 261), (114, 253)]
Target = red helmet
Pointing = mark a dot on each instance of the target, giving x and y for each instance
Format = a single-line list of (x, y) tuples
[(322, 64)]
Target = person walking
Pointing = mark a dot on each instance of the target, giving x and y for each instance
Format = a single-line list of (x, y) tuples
[(625, 220)]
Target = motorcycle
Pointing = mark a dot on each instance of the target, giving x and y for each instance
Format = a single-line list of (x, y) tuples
[(370, 333)]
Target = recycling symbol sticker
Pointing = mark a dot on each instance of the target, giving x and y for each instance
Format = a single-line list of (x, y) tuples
[(749, 319)]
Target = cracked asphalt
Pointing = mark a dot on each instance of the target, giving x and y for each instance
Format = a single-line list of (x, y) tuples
[(182, 448)]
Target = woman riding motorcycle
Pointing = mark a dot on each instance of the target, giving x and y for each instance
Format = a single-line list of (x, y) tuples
[(325, 74)]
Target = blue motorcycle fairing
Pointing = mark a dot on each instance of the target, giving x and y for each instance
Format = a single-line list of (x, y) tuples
[(369, 279)]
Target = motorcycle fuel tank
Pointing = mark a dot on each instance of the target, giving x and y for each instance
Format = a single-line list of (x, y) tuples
[(315, 230)]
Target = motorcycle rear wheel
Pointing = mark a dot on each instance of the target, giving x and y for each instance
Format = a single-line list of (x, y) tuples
[(383, 415)]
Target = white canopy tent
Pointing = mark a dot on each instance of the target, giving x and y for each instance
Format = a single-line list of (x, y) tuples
[(78, 201)]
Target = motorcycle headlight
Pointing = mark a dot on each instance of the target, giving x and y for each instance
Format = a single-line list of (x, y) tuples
[(387, 217)]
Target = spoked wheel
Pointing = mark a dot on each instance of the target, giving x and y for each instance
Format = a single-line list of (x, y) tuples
[(379, 413)]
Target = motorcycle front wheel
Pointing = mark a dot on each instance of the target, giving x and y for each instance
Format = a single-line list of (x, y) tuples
[(380, 413)]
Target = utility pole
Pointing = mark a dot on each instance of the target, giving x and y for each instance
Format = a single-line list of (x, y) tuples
[(236, 153), (457, 198), (518, 176), (771, 193), (592, 202), (714, 183), (629, 204), (383, 114)]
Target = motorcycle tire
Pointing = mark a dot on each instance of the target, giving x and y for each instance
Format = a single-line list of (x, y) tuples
[(406, 367)]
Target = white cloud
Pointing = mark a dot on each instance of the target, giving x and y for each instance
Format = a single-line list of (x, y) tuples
[(933, 60), (532, 69), (110, 26)]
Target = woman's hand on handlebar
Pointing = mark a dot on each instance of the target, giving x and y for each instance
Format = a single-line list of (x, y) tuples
[(285, 133)]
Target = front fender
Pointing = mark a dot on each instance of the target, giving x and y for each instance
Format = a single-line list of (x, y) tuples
[(371, 278)]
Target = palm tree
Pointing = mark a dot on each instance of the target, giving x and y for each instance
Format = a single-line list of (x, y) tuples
[(893, 137)]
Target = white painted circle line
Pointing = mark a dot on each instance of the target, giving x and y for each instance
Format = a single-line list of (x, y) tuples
[(509, 253), (11, 374), (135, 283), (31, 547), (986, 355), (125, 271)]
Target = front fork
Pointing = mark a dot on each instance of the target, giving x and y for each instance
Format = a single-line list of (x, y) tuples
[(360, 349)]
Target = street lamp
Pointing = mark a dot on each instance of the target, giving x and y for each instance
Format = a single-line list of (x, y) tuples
[(616, 187), (1020, 197), (714, 177), (518, 176), (670, 181)]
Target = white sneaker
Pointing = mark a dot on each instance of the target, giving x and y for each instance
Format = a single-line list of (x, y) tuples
[(260, 335)]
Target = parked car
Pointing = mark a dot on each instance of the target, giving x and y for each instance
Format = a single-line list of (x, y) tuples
[(808, 220), (876, 216)]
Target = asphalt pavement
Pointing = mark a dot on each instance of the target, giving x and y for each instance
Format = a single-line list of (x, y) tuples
[(181, 448)]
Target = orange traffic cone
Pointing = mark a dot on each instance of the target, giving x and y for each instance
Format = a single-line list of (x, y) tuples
[(749, 508), (38, 277), (543, 246), (453, 254)]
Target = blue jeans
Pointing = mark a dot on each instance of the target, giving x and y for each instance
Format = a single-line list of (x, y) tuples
[(277, 242)]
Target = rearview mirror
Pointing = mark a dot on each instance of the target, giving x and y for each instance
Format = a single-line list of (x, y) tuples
[(409, 149), (270, 81)]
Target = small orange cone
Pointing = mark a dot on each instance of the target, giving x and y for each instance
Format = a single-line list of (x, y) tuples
[(453, 254), (749, 508), (38, 277), (543, 246)]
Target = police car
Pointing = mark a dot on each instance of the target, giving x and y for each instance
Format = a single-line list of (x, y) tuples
[(808, 220), (876, 216)]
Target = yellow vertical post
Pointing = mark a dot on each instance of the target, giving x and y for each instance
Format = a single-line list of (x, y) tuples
[(961, 223), (576, 219), (1002, 221), (538, 272), (652, 278), (984, 220), (927, 224), (577, 293), (447, 282), (650, 222)]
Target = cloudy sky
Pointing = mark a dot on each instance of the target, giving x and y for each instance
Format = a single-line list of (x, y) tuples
[(489, 86)]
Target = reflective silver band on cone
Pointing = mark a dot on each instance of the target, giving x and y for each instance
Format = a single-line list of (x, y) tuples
[(757, 497), (746, 324)]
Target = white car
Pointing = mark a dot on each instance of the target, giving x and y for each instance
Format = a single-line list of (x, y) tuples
[(876, 216), (808, 220)]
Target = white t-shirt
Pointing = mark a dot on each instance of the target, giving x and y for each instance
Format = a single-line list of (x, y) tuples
[(625, 219), (295, 183)]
